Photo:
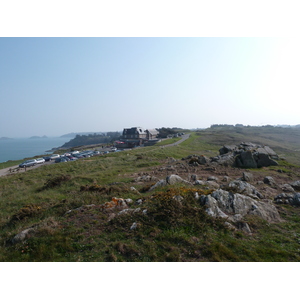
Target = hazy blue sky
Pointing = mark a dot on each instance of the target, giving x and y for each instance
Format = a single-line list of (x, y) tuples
[(52, 86)]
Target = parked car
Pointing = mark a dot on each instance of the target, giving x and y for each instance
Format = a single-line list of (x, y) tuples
[(74, 152), (47, 158), (72, 158), (61, 159), (28, 163), (54, 156), (40, 160), (114, 149)]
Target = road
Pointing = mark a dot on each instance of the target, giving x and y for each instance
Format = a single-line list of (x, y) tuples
[(16, 170), (183, 138)]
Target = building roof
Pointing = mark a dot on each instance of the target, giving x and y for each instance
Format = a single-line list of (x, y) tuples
[(133, 130), (152, 131)]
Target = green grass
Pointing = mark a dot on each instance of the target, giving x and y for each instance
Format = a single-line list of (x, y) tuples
[(10, 163), (169, 232)]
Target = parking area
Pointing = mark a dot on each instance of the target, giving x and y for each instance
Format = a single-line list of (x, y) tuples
[(52, 159)]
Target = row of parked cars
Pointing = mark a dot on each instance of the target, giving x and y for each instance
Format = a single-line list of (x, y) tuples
[(70, 156)]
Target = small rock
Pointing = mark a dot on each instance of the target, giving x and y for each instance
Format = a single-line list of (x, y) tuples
[(134, 189), (194, 177), (178, 198), (133, 226), (173, 179), (244, 227), (226, 179), (139, 201), (270, 181), (111, 216), (199, 182), (212, 184), (287, 188), (128, 201), (160, 183), (229, 226), (296, 185), (247, 177), (212, 178), (20, 237)]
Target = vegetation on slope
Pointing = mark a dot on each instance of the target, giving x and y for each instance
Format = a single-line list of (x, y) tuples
[(62, 204)]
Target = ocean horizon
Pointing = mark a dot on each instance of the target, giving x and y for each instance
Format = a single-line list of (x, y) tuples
[(21, 148)]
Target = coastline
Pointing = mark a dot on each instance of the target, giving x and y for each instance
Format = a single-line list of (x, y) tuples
[(22, 148)]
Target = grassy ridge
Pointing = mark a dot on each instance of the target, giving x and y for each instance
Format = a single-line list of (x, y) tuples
[(169, 232)]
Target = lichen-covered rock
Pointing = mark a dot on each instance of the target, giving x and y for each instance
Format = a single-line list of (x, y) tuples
[(160, 183), (270, 181), (296, 185), (244, 227), (246, 160), (296, 199), (247, 177), (173, 179), (222, 203), (212, 178), (287, 188), (246, 155), (245, 188), (283, 198), (170, 180), (207, 184)]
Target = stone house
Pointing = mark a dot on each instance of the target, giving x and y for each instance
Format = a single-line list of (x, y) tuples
[(136, 136)]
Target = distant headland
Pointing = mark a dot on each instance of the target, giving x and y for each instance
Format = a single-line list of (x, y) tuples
[(39, 137), (5, 138)]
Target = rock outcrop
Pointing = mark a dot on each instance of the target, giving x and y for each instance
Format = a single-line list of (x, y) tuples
[(246, 155), (234, 207), (286, 198), (170, 180)]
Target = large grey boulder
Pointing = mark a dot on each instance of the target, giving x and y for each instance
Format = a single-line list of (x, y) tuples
[(296, 185), (263, 160), (296, 199), (223, 203), (227, 149), (246, 155), (246, 160), (242, 187)]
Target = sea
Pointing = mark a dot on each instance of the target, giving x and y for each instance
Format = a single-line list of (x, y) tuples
[(21, 148)]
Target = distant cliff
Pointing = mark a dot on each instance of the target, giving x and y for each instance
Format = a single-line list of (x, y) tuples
[(5, 138), (39, 137), (83, 140)]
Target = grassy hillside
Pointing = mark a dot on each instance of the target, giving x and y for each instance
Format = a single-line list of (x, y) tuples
[(63, 206)]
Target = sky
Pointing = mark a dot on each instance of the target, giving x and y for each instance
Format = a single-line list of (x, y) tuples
[(56, 85)]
